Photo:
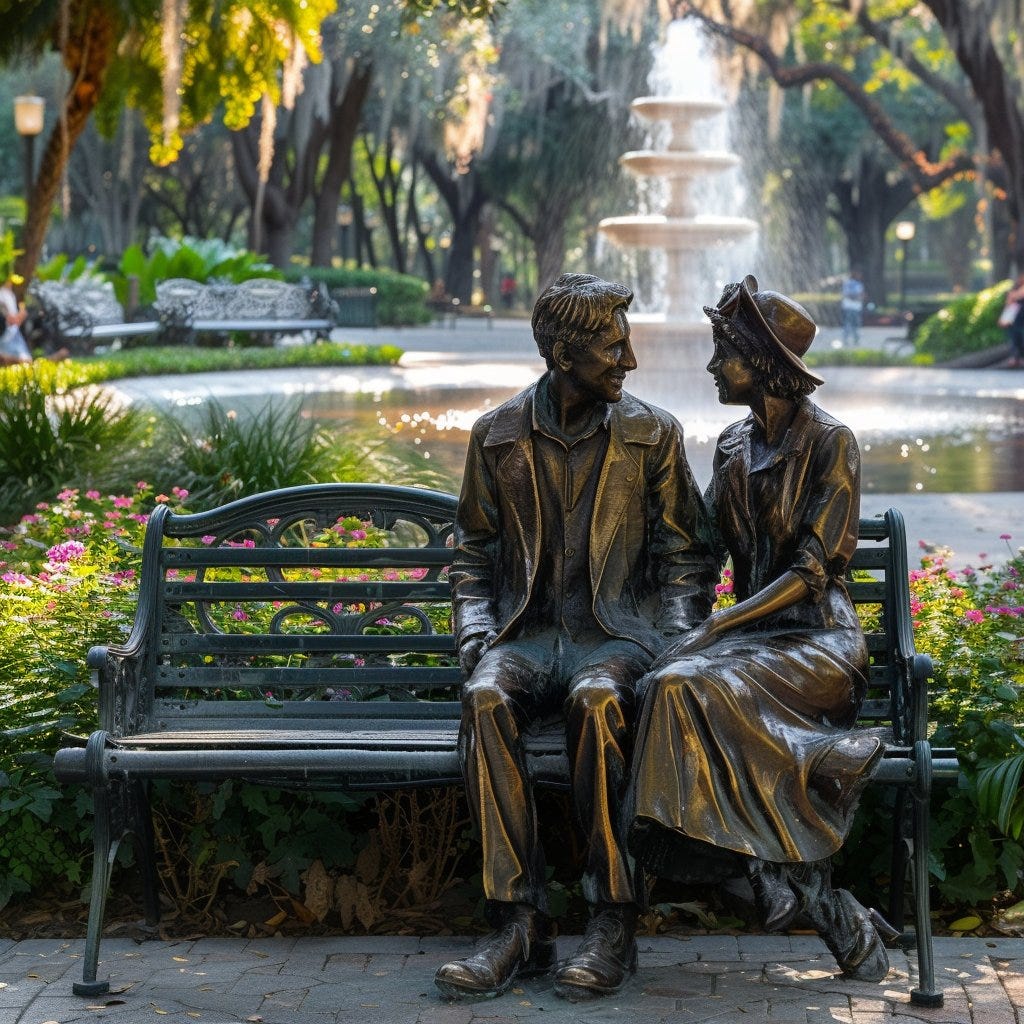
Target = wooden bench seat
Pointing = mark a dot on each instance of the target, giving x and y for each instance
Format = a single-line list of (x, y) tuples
[(340, 664)]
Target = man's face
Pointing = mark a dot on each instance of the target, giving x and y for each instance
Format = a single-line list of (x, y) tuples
[(600, 370)]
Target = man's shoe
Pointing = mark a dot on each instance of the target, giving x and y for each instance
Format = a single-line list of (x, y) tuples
[(522, 946), (605, 958)]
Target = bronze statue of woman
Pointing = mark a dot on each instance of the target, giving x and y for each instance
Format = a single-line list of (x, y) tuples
[(744, 742)]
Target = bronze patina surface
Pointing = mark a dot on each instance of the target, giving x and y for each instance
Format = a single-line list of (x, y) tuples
[(743, 743), (582, 542)]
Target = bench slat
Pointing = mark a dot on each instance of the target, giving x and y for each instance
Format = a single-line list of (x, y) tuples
[(322, 590), (259, 325), (865, 592), (320, 558), (876, 557), (230, 677), (203, 714), (295, 643)]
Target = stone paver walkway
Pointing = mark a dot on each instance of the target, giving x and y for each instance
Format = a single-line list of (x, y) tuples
[(383, 979)]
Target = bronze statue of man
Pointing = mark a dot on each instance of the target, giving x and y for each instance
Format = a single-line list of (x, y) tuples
[(582, 542)]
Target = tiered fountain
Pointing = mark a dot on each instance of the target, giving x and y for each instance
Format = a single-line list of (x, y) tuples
[(679, 338)]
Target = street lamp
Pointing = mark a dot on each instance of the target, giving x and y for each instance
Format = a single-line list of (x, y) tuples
[(905, 230), (28, 120)]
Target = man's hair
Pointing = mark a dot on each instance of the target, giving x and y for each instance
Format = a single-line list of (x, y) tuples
[(774, 376), (574, 310)]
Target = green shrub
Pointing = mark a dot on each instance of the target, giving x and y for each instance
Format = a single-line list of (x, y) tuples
[(401, 298), (198, 259), (969, 324)]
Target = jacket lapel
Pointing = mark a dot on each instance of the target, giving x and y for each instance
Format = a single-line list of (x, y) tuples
[(516, 477)]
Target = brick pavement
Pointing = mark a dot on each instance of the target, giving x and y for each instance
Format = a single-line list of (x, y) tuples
[(388, 980)]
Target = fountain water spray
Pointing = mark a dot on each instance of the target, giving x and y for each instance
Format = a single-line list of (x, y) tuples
[(685, 235)]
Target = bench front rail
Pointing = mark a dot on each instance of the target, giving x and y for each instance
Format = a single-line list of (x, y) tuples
[(302, 638)]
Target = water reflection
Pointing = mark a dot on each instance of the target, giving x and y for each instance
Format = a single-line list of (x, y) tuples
[(939, 442)]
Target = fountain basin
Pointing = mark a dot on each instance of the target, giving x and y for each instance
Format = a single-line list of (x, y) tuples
[(677, 163), (676, 108), (656, 231)]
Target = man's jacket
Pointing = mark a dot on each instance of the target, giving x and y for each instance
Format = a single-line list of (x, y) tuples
[(651, 569)]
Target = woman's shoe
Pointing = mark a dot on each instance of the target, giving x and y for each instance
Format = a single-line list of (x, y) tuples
[(776, 902)]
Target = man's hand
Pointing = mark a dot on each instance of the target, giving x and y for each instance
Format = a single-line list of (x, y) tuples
[(472, 650)]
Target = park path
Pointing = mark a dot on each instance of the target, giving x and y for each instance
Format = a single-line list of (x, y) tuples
[(723, 979)]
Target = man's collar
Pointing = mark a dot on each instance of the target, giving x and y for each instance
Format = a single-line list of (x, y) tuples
[(545, 420), (630, 420)]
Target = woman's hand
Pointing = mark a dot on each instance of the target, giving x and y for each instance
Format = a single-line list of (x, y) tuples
[(695, 640)]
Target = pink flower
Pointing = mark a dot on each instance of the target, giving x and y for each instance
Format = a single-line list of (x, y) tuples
[(918, 574), (916, 606), (238, 614), (42, 506), (975, 616), (68, 551), (122, 502), (1010, 585), (1006, 536), (139, 517), (67, 494), (31, 519), (180, 493), (208, 538), (957, 592), (359, 534), (17, 578), (723, 588), (9, 545), (141, 485), (248, 543), (92, 495)]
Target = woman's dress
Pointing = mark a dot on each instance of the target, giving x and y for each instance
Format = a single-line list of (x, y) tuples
[(729, 737)]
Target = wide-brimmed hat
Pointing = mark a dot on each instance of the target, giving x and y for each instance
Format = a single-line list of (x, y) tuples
[(785, 323)]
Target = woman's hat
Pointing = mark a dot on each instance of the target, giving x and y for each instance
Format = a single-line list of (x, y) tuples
[(785, 323)]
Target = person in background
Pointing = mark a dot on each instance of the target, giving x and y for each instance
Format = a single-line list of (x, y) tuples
[(851, 307), (13, 346)]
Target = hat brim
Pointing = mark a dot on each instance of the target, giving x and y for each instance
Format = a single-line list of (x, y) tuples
[(743, 298)]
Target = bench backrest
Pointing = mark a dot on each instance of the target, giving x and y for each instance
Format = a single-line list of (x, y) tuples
[(244, 599), (256, 299), (237, 604), (84, 302), (878, 584)]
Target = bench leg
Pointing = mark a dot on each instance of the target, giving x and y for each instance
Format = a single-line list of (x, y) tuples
[(145, 850), (104, 852), (926, 994), (901, 844)]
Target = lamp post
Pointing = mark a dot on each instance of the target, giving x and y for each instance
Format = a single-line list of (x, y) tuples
[(905, 230), (28, 120)]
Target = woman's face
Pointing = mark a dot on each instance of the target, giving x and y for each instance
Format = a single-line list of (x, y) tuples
[(733, 376)]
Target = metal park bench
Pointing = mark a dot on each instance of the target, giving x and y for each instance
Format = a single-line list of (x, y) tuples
[(340, 664), (82, 313), (262, 307)]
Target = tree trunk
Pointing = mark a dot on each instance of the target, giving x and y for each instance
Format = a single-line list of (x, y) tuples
[(868, 204), (87, 57), (970, 39), (464, 195), (549, 246), (343, 125)]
